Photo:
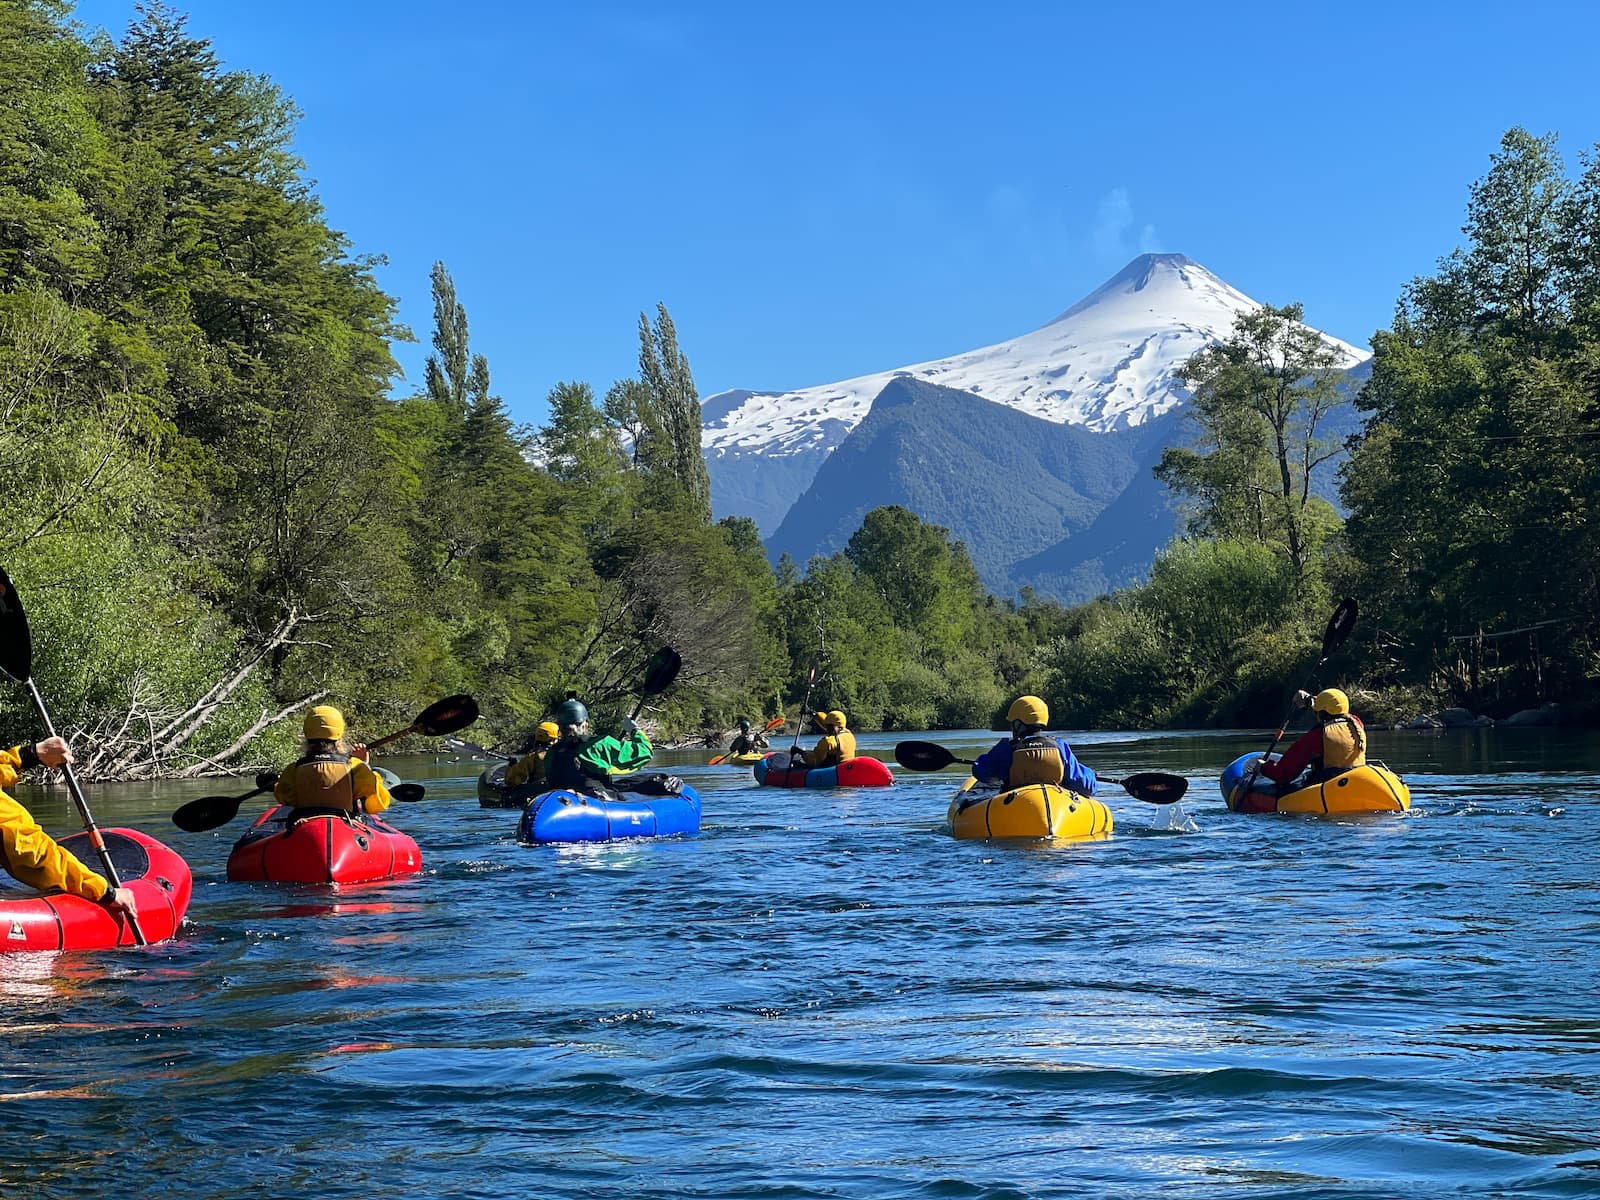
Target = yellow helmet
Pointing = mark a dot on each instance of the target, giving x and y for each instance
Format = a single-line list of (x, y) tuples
[(1029, 710), (821, 719), (836, 720), (324, 721), (547, 733), (1331, 701)]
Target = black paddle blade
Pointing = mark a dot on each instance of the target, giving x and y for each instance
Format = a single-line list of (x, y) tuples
[(1155, 788), (210, 812), (407, 793), (1339, 626), (446, 716), (16, 643), (924, 756), (663, 669)]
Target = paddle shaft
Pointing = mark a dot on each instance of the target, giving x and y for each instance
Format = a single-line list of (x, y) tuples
[(1293, 707), (480, 751), (393, 737), (1339, 627), (805, 706), (972, 762), (82, 804)]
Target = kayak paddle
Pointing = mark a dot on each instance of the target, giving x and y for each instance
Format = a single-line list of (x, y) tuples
[(477, 751), (441, 717), (805, 705), (208, 812), (1339, 627), (16, 661), (1153, 787), (658, 676)]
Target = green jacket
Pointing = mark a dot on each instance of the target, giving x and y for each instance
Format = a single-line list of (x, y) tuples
[(608, 754)]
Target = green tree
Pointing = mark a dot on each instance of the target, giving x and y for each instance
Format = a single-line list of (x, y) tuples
[(1260, 399), (449, 370), (675, 405), (1472, 494)]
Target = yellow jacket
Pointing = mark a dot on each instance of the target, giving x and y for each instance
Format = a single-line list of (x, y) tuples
[(528, 769), (831, 750), (332, 781), (31, 854)]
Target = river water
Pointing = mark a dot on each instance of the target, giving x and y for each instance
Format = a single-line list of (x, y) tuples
[(824, 995)]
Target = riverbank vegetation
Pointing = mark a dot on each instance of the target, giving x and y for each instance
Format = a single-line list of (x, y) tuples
[(223, 504)]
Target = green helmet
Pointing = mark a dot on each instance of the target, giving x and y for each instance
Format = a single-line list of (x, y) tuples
[(744, 724), (571, 712)]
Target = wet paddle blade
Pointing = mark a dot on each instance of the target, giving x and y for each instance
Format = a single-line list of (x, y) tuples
[(408, 793), (210, 812), (16, 642), (1339, 626), (924, 756), (446, 716), (1153, 787), (663, 669)]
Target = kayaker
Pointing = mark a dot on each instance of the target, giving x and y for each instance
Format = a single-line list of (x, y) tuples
[(1030, 755), (29, 853), (580, 763), (530, 768), (1331, 747), (330, 778), (836, 745), (747, 741)]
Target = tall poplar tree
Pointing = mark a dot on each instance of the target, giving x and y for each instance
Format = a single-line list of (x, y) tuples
[(448, 375), (675, 403)]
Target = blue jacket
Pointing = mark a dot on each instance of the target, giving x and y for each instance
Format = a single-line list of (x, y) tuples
[(996, 765)]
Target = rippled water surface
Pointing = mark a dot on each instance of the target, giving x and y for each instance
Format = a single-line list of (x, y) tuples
[(825, 995)]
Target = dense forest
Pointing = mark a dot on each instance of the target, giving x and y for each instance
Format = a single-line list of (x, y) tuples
[(222, 505)]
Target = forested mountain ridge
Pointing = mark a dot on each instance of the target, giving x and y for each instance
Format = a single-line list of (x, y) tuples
[(1003, 482)]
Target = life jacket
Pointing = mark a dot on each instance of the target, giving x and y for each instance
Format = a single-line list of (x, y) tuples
[(324, 781), (561, 769), (529, 769), (832, 750), (1036, 759), (1343, 747)]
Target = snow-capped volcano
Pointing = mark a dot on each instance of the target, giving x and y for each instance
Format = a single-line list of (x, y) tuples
[(1106, 363)]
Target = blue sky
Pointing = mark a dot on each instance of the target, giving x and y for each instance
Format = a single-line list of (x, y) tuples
[(821, 190)]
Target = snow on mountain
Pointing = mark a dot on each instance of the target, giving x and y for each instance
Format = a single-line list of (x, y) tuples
[(1106, 363)]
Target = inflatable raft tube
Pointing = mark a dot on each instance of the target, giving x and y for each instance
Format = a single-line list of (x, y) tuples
[(774, 771), (1369, 789), (1037, 810), (493, 792), (566, 817), (156, 874), (332, 848)]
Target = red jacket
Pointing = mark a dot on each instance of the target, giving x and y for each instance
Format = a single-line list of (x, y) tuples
[(1306, 748)]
